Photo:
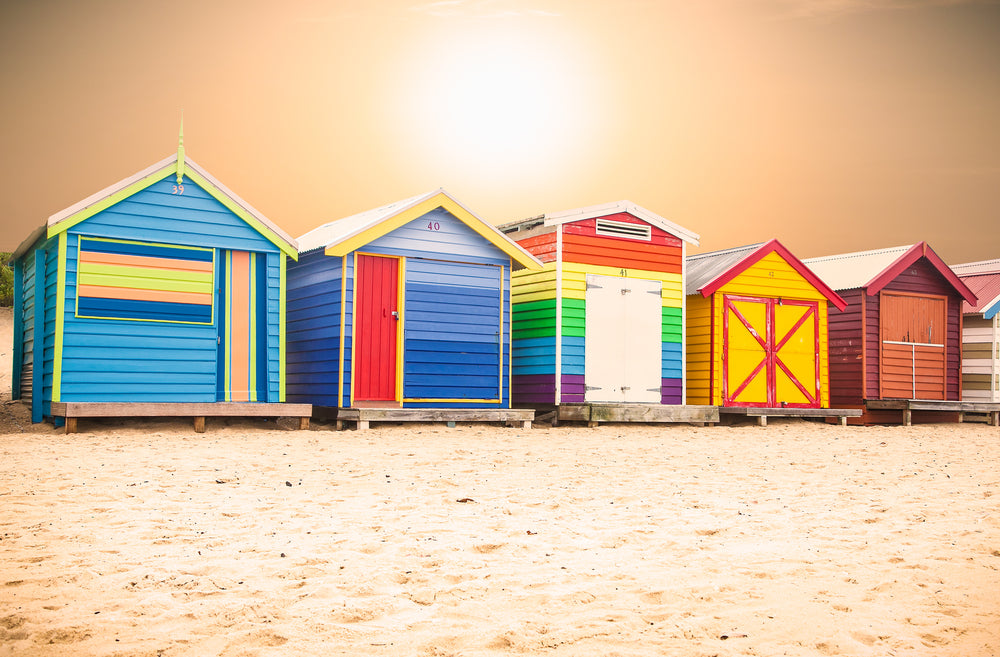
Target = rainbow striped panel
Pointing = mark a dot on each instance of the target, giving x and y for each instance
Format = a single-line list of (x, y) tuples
[(243, 311), (139, 281)]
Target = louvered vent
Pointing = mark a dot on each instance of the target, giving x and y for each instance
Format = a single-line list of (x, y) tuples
[(622, 229)]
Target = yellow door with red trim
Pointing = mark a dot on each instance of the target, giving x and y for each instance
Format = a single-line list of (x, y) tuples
[(770, 352)]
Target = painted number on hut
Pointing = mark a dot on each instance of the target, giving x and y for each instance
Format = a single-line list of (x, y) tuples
[(433, 225), (178, 189)]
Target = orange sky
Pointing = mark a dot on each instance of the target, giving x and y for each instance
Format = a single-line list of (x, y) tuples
[(833, 125)]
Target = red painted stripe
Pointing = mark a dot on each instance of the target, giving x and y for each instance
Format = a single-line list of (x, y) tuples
[(621, 253)]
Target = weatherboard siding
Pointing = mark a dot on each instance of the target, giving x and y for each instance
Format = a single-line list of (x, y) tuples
[(535, 295), (771, 277), (980, 359), (313, 317), (455, 318)]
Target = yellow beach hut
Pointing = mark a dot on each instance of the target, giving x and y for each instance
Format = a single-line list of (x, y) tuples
[(757, 329)]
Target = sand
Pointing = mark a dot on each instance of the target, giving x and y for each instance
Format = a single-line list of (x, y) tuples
[(795, 539)]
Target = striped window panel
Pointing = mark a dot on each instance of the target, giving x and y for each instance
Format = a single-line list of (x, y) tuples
[(139, 281)]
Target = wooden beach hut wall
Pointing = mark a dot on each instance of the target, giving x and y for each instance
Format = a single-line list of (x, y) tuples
[(404, 306), (602, 322), (900, 336), (757, 329), (165, 287), (981, 331)]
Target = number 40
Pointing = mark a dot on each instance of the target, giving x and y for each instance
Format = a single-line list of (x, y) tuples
[(433, 225)]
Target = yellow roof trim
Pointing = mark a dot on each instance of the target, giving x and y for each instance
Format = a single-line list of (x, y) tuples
[(419, 209)]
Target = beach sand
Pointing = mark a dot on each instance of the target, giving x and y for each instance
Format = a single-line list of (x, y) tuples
[(801, 538)]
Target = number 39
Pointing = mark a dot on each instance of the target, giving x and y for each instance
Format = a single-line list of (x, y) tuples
[(178, 189)]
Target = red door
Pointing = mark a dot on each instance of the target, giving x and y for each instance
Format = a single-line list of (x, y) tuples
[(376, 318)]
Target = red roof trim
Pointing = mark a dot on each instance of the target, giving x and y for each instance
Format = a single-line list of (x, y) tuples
[(916, 252), (774, 246)]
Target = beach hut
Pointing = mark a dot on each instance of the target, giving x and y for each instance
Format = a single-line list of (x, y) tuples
[(406, 306), (757, 330), (159, 295), (602, 321), (981, 331), (900, 337)]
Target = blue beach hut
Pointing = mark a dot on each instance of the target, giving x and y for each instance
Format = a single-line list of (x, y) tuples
[(404, 306), (159, 295)]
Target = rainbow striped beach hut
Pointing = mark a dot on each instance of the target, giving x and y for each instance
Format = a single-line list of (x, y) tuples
[(159, 295), (603, 322)]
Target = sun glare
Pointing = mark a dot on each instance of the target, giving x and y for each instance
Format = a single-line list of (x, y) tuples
[(505, 100)]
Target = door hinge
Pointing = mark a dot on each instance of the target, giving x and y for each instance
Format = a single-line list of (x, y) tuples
[(652, 390), (589, 388), (656, 292), (594, 286)]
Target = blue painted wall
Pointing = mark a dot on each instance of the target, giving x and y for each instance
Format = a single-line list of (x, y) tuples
[(145, 361), (456, 340)]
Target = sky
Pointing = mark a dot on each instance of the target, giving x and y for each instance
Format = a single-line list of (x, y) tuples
[(831, 125)]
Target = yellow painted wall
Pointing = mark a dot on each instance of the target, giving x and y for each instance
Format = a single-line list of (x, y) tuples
[(770, 277), (527, 285), (699, 349)]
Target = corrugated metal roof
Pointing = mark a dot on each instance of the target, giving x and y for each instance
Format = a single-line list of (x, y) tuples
[(335, 231), (589, 212), (981, 267), (848, 271), (703, 268), (986, 287)]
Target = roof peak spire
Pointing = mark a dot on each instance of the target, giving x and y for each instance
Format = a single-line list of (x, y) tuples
[(180, 151)]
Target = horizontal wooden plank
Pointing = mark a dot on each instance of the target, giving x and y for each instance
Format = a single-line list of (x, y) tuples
[(637, 413), (790, 412), (436, 414), (924, 405), (178, 409)]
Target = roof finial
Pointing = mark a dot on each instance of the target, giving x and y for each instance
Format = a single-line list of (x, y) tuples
[(180, 152)]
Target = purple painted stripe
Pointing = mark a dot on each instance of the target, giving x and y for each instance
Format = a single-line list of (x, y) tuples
[(573, 389), (670, 391), (533, 388)]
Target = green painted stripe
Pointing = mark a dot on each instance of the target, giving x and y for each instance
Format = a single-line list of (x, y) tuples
[(108, 280), (281, 326), (60, 320), (534, 305)]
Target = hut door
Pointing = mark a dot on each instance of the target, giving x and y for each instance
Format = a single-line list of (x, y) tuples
[(770, 354), (376, 312), (913, 346), (622, 352), (241, 303)]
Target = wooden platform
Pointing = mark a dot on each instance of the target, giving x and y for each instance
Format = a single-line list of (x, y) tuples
[(763, 413), (363, 417), (198, 411), (595, 413), (909, 406)]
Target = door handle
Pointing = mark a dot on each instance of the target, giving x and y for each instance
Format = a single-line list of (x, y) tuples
[(395, 315)]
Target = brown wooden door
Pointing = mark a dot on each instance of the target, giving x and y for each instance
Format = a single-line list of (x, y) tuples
[(913, 337)]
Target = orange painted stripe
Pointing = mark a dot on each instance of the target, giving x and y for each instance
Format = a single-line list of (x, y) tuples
[(145, 261), (138, 294), (239, 327)]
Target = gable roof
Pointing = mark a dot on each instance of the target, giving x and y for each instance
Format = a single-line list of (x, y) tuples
[(342, 236), (873, 270), (121, 190), (593, 211), (992, 308), (707, 272), (983, 278)]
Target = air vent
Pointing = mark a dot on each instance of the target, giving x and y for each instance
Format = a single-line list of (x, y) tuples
[(622, 229)]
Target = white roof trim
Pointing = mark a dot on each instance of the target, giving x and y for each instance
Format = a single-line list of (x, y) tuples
[(166, 163), (580, 214)]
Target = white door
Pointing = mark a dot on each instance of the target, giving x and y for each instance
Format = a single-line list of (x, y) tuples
[(622, 356)]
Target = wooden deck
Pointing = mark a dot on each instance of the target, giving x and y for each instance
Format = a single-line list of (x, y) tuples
[(595, 413), (763, 413), (198, 411), (363, 417), (910, 406)]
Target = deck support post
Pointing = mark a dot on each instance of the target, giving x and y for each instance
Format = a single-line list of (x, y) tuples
[(199, 424), (362, 425), (907, 417), (762, 420), (71, 425), (843, 420)]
